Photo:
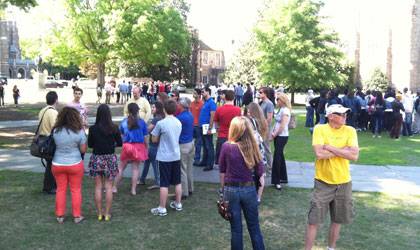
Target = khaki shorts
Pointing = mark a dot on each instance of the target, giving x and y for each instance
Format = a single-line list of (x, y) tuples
[(336, 198)]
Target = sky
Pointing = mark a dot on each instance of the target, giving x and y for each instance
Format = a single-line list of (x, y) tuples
[(221, 21)]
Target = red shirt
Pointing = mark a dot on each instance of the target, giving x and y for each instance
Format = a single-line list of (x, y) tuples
[(195, 110), (224, 116), (161, 87)]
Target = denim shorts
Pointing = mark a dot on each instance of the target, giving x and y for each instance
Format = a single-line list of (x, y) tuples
[(170, 173), (337, 199)]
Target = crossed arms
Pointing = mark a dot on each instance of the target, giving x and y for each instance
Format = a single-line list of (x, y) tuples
[(328, 151)]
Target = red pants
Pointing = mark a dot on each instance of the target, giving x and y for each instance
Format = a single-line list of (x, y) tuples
[(64, 175)]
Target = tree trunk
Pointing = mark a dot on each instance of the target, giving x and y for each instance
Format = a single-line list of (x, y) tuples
[(100, 81), (292, 99)]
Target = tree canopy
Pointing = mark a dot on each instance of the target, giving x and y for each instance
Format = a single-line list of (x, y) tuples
[(296, 49), (243, 67), (131, 32), (23, 4), (378, 80)]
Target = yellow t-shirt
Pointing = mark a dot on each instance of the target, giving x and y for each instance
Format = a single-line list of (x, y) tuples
[(335, 170)]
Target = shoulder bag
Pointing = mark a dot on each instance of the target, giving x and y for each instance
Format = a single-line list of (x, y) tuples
[(43, 146)]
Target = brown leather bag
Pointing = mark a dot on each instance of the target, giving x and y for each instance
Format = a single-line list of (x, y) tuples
[(223, 208)]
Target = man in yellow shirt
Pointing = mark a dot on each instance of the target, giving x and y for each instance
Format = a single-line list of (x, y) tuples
[(145, 111), (335, 144), (47, 117)]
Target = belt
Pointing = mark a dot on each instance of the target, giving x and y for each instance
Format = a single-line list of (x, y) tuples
[(240, 184)]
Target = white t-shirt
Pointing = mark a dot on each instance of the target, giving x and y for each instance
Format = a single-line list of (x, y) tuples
[(277, 117)]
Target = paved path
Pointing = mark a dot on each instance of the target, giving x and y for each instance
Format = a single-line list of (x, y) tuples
[(387, 179)]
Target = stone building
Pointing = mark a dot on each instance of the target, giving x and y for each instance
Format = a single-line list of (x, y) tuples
[(11, 63), (208, 64), (379, 34)]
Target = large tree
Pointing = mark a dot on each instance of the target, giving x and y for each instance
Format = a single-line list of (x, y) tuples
[(153, 33), (115, 33), (296, 49), (243, 66)]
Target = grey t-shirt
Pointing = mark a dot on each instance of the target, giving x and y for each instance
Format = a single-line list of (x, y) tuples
[(67, 143), (169, 130), (267, 107)]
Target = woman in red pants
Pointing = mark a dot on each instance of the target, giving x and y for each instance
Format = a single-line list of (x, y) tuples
[(67, 164)]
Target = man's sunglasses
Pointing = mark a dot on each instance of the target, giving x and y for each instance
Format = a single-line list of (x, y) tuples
[(340, 114)]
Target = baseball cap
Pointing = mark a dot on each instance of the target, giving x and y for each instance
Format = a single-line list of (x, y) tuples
[(336, 108)]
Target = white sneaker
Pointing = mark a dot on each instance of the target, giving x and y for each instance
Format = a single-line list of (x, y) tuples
[(176, 206), (159, 211)]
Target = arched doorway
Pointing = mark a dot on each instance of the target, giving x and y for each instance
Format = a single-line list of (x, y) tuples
[(21, 73)]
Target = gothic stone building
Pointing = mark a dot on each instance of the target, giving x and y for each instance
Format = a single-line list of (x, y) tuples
[(11, 63)]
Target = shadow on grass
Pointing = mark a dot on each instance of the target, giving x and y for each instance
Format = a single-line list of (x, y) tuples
[(382, 222)]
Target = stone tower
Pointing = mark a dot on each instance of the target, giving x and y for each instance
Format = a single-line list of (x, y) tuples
[(11, 63), (415, 47), (389, 59)]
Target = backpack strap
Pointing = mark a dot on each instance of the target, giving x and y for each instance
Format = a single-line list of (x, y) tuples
[(37, 129)]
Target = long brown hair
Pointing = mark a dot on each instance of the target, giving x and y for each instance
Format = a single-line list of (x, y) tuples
[(241, 133), (69, 118), (133, 116), (256, 112)]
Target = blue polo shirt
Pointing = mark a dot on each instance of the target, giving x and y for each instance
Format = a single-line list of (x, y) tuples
[(135, 135), (208, 106), (187, 121)]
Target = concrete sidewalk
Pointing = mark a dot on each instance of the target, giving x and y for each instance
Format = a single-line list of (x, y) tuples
[(367, 178)]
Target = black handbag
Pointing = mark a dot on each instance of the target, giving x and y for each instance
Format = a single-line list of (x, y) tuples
[(43, 146)]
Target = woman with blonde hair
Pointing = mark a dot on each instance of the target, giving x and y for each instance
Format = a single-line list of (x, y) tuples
[(67, 163), (254, 112), (240, 159), (280, 135)]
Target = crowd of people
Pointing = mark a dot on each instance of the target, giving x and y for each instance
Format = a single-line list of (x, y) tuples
[(397, 113), (173, 134)]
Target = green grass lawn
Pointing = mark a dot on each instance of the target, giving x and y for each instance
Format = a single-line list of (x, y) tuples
[(373, 151), (28, 221)]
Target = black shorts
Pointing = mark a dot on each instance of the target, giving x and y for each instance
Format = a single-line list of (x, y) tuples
[(170, 173)]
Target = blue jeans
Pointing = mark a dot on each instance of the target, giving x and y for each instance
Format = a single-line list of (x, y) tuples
[(208, 152), (198, 141), (407, 124), (309, 117), (379, 120), (153, 161), (245, 199)]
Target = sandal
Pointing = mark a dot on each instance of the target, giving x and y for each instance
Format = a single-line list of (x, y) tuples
[(60, 220), (77, 220)]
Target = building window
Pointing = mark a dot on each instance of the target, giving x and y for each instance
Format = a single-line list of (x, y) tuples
[(205, 80), (205, 58), (218, 63)]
